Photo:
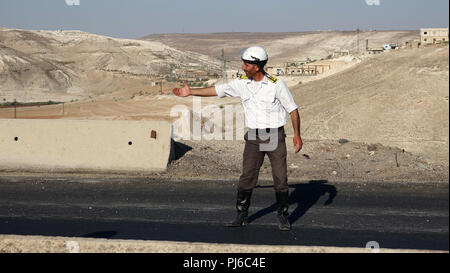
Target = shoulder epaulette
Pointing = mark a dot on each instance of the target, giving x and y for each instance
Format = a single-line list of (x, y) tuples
[(271, 78), (243, 77)]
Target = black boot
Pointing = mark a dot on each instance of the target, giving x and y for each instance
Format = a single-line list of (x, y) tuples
[(282, 210), (242, 205)]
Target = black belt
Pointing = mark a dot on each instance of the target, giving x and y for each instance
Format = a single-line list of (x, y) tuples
[(267, 130)]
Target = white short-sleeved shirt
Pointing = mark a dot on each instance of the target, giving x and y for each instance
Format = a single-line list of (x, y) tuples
[(265, 102)]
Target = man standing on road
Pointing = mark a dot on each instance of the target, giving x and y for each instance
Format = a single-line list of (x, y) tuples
[(266, 100)]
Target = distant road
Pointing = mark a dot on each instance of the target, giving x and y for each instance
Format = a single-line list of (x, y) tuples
[(344, 214)]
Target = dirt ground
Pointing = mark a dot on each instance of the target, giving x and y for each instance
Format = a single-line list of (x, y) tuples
[(333, 160)]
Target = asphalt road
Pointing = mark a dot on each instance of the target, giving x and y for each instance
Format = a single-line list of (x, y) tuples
[(344, 214)]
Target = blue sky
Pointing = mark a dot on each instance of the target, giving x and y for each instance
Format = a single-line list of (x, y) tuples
[(137, 18)]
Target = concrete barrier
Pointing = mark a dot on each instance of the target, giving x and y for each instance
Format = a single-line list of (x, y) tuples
[(44, 244), (84, 145)]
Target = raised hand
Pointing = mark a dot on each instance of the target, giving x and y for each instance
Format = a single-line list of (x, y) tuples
[(183, 91)]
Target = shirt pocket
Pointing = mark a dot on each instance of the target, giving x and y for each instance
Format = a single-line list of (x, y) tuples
[(267, 102)]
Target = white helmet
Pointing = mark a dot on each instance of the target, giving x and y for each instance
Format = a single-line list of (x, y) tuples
[(254, 55)]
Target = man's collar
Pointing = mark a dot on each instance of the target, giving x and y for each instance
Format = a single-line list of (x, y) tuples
[(264, 80)]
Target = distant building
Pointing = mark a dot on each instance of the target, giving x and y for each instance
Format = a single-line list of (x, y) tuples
[(341, 53), (412, 44), (374, 51), (275, 70), (433, 35)]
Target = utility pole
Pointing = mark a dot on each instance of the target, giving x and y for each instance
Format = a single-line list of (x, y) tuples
[(224, 66), (357, 40)]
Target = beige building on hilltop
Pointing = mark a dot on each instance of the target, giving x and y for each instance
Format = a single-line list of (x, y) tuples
[(433, 35)]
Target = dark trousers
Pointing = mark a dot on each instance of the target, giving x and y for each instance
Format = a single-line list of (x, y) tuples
[(254, 158)]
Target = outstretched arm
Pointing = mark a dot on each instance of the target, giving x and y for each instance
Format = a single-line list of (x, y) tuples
[(187, 91)]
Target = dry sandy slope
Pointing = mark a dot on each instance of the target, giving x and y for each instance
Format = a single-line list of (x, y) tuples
[(282, 47), (66, 65), (397, 98), (71, 65)]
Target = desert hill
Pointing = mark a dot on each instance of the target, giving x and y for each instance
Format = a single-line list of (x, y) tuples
[(75, 65), (397, 98), (67, 65), (282, 46)]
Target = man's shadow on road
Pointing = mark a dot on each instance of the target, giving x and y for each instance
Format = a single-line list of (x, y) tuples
[(304, 196)]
